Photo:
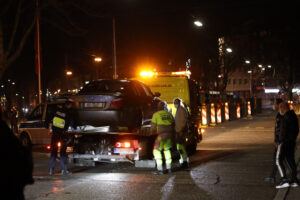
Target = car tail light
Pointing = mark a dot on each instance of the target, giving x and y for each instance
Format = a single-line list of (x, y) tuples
[(48, 147), (75, 104), (123, 144), (116, 103), (118, 144)]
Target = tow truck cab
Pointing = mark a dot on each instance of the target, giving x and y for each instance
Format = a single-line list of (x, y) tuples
[(169, 85)]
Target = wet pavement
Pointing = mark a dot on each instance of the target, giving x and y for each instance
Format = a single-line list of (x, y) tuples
[(230, 163)]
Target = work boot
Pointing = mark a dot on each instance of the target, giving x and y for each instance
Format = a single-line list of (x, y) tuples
[(158, 172), (51, 172), (184, 165), (65, 172)]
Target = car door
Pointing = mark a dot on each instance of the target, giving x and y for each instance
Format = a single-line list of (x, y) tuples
[(35, 126)]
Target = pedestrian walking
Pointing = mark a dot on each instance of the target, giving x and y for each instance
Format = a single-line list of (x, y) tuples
[(14, 115), (16, 164), (272, 177), (61, 121), (163, 124), (289, 129), (181, 128)]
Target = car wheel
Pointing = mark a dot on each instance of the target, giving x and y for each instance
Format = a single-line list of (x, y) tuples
[(25, 140)]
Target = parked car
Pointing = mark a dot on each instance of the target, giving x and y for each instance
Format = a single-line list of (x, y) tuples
[(35, 129), (119, 104)]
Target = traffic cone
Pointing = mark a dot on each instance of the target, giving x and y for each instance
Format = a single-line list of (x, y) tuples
[(204, 115), (249, 109), (238, 111), (226, 111), (219, 117), (212, 115)]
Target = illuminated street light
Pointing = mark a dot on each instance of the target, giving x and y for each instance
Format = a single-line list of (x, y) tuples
[(198, 23), (98, 59), (249, 72), (229, 50), (260, 66), (269, 66), (69, 73), (247, 61)]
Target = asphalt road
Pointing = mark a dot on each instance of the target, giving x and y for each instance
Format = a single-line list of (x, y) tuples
[(230, 163)]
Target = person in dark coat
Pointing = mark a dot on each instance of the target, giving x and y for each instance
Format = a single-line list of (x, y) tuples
[(289, 129), (272, 176), (16, 164)]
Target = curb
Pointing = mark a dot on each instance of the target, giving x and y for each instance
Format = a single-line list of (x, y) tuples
[(282, 193)]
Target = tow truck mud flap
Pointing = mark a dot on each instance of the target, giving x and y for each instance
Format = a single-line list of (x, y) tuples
[(145, 163), (86, 159)]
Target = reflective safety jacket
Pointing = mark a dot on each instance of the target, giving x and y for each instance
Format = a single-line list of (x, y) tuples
[(61, 120), (162, 122)]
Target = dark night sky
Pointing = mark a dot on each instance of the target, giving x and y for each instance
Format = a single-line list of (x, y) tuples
[(147, 31)]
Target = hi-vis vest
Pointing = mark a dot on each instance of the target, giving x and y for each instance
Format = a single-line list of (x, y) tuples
[(59, 120), (164, 121)]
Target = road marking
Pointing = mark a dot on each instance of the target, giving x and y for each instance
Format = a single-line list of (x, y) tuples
[(168, 188)]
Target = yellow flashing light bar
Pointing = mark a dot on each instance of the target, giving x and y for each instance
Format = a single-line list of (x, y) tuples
[(148, 73), (151, 74)]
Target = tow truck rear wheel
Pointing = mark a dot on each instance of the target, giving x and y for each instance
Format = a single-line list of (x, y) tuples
[(25, 140)]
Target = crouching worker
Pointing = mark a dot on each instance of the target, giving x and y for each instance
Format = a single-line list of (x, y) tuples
[(163, 124)]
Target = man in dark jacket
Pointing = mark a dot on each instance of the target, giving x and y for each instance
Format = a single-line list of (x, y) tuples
[(289, 129), (272, 176), (60, 124), (16, 164)]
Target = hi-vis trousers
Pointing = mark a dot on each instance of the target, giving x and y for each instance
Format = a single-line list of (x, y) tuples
[(165, 146)]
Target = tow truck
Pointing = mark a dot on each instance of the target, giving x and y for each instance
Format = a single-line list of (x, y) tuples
[(91, 143)]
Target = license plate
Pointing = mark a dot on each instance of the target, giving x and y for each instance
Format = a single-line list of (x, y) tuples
[(124, 150), (94, 105)]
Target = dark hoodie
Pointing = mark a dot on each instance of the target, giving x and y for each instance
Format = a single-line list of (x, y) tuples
[(289, 127), (277, 127)]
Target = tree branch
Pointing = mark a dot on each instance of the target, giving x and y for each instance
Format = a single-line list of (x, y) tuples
[(15, 28), (17, 53)]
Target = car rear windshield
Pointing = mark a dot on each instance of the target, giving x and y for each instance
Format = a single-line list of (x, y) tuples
[(106, 87)]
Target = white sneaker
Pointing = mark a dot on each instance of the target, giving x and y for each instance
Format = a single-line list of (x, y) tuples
[(65, 172), (294, 184), (283, 184)]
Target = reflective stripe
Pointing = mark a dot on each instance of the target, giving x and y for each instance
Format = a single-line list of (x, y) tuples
[(58, 122), (158, 158), (183, 153), (168, 158), (277, 160)]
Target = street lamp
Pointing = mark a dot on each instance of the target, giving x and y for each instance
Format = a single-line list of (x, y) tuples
[(198, 23), (229, 50), (97, 60), (247, 61), (69, 73)]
